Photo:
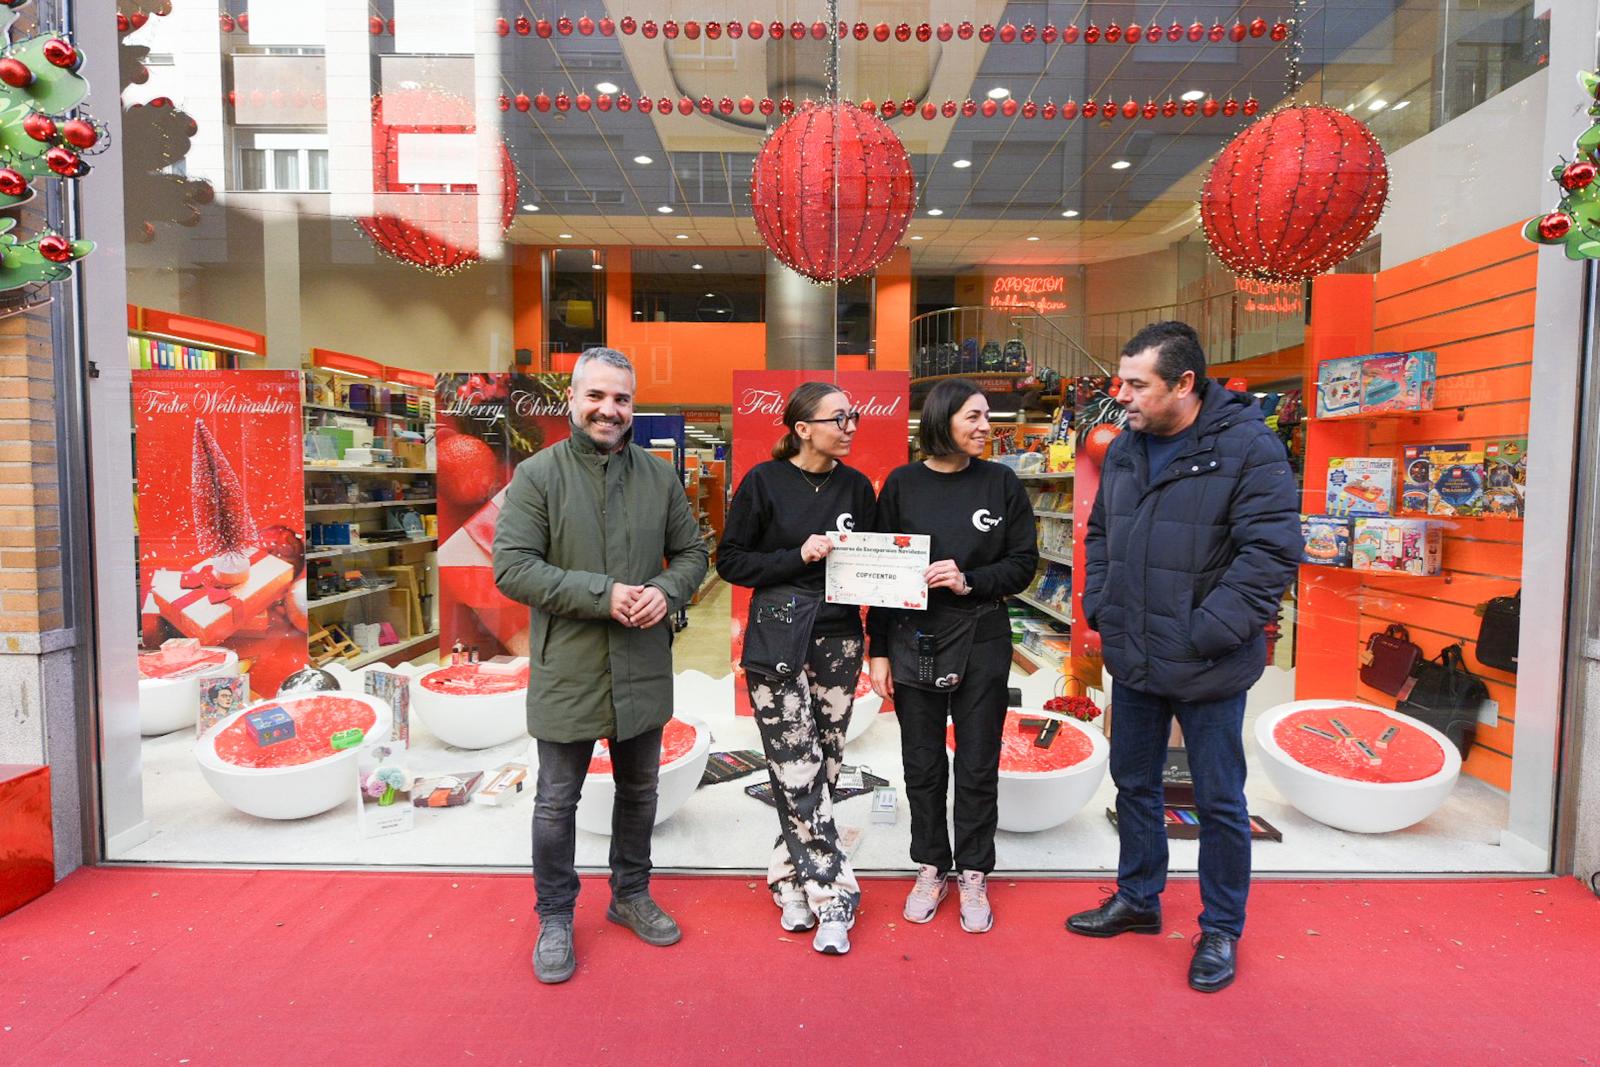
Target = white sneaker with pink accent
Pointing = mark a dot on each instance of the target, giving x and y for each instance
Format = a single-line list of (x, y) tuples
[(976, 915), (931, 886)]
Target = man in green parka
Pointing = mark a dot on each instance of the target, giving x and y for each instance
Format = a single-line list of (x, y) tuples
[(582, 537)]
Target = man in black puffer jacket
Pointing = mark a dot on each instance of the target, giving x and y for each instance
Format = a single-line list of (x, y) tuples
[(1194, 537)]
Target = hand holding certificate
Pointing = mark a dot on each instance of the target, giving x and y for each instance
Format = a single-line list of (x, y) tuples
[(881, 570)]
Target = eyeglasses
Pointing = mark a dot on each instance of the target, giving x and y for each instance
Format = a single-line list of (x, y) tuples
[(841, 420)]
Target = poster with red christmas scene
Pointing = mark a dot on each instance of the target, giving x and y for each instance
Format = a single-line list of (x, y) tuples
[(221, 512), (882, 397), (487, 424)]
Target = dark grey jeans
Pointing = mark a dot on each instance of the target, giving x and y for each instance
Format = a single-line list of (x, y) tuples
[(563, 766)]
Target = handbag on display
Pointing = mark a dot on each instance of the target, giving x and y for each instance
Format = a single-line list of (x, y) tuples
[(1390, 658), (1499, 632), (1447, 696)]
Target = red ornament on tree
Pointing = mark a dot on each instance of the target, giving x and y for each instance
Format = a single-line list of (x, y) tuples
[(12, 182), (60, 53), (15, 73), (55, 248), (1577, 175), (1255, 208), (1554, 226), (80, 133), (832, 225), (39, 126)]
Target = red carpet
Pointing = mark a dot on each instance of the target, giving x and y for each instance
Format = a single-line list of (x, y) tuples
[(223, 967)]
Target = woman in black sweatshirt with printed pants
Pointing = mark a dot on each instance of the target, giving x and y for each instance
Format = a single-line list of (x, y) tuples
[(775, 541), (982, 546)]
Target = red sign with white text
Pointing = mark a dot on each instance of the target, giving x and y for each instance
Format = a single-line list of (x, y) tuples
[(222, 515), (882, 397), (487, 424)]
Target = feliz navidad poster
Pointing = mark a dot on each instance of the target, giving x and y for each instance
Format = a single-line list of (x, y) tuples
[(486, 425), (221, 515)]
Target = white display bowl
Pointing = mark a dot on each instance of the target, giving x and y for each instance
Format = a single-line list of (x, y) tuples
[(296, 792), (168, 704), (679, 779), (1031, 801), (1360, 807), (470, 721)]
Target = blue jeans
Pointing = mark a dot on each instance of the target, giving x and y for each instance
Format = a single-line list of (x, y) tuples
[(1213, 735), (635, 768)]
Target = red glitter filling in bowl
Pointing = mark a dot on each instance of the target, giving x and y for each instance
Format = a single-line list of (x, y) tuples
[(1019, 754), (471, 680), (1411, 755), (677, 740), (316, 719)]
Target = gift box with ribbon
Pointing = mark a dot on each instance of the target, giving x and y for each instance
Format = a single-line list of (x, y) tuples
[(201, 606)]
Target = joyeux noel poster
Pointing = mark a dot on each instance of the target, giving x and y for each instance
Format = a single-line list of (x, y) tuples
[(221, 516)]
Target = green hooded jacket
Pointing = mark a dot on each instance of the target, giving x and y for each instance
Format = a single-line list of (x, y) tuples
[(575, 521)]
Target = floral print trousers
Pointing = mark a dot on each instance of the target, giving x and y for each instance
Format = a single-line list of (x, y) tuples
[(802, 722)]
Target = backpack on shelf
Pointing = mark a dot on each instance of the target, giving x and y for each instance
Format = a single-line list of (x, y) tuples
[(1016, 357), (993, 358), (969, 357)]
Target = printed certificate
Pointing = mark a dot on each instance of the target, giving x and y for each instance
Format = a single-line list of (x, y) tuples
[(882, 570)]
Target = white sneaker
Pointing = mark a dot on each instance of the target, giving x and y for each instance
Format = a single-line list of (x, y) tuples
[(976, 915), (923, 900), (797, 915), (833, 932)]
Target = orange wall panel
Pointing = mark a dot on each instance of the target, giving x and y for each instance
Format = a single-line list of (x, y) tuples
[(891, 317)]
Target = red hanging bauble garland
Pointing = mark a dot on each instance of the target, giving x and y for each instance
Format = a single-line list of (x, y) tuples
[(1294, 194), (428, 226), (832, 192)]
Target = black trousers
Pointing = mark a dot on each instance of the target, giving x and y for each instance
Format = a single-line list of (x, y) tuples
[(978, 712)]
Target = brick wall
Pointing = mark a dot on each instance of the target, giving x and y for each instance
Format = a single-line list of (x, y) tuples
[(30, 511)]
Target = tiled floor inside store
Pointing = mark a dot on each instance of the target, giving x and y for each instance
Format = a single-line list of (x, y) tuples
[(722, 827)]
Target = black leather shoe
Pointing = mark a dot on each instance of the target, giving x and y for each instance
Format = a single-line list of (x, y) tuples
[(1115, 916), (1214, 964), (553, 957), (644, 917)]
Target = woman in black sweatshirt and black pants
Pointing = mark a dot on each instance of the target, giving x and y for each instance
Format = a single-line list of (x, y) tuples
[(982, 546), (775, 541)]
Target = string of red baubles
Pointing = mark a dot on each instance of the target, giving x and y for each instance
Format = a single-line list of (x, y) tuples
[(1009, 108), (1006, 33)]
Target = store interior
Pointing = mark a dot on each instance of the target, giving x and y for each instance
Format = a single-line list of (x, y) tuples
[(1035, 250)]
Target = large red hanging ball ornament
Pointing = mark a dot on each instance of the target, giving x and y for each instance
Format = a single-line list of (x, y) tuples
[(60, 53), (1294, 194), (832, 225), (1577, 175), (39, 126), (15, 73), (80, 133), (1554, 226), (12, 182)]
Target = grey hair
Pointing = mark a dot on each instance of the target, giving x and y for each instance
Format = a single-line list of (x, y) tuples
[(608, 357)]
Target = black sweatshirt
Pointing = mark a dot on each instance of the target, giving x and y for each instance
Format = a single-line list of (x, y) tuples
[(774, 510), (980, 517)]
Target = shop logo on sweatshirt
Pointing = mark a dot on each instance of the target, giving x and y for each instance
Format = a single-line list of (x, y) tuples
[(983, 522), (845, 523)]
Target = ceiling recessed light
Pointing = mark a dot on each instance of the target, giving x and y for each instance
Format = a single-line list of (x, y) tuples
[(999, 93), (1033, 238), (916, 237), (1121, 164), (643, 161), (605, 87), (1402, 105), (530, 207), (1378, 104), (565, 236), (680, 237), (962, 164), (1193, 95), (936, 211), (711, 294), (665, 209), (698, 266), (1069, 214), (596, 266)]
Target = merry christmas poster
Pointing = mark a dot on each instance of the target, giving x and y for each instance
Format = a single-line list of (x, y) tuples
[(222, 515), (487, 424), (759, 397)]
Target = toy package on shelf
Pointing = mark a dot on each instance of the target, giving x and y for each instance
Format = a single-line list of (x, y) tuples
[(1505, 477), (1326, 540), (1338, 387), (1360, 485), (1417, 475), (1375, 384), (1055, 538), (1455, 483), (1409, 546)]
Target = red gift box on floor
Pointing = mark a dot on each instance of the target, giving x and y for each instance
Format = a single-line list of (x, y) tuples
[(202, 607), (27, 848)]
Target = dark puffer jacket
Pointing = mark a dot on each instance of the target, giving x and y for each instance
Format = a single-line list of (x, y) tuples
[(1185, 568)]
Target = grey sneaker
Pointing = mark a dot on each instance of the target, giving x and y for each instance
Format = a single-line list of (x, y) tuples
[(553, 958), (925, 895), (797, 914), (976, 915), (644, 917), (833, 931)]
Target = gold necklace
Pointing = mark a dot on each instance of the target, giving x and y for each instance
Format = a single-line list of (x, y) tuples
[(816, 487)]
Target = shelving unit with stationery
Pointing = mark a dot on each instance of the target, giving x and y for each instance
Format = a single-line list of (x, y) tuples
[(1041, 616), (371, 528)]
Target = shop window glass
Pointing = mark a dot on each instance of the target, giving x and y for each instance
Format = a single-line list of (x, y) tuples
[(728, 286), (285, 169)]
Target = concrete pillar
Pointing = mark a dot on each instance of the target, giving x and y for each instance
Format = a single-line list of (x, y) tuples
[(800, 320)]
